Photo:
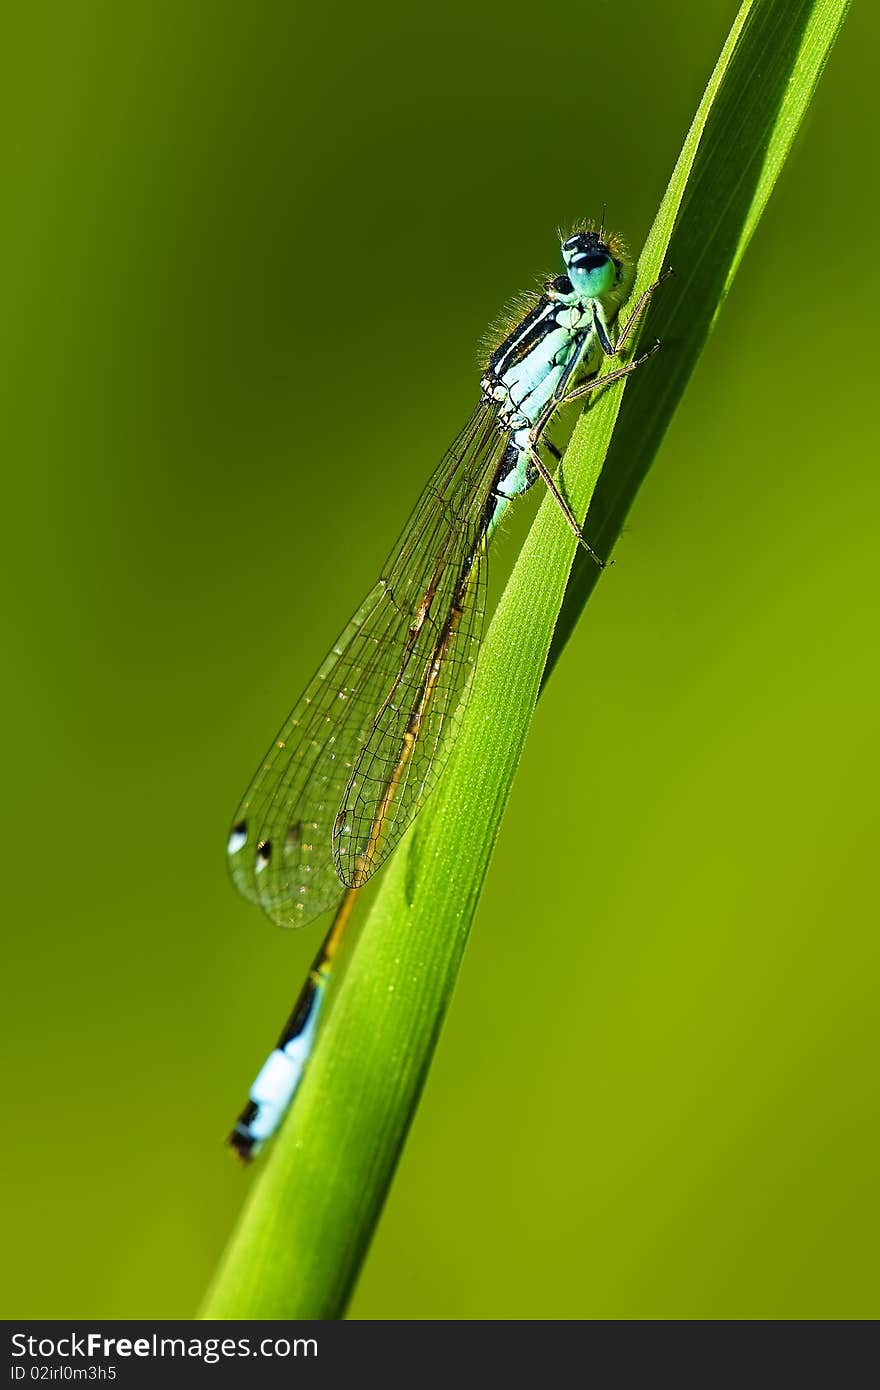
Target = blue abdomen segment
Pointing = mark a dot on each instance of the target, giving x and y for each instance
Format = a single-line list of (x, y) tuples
[(278, 1080)]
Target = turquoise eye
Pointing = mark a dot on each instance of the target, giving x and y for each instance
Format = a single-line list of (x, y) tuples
[(592, 273), (592, 269)]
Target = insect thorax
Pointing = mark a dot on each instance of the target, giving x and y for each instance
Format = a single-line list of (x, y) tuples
[(525, 369)]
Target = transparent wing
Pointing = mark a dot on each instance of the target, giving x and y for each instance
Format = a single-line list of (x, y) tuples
[(364, 744)]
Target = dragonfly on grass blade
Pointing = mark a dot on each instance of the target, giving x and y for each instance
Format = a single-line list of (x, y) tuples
[(367, 740)]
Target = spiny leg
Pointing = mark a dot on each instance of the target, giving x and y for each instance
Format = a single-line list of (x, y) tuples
[(639, 306), (548, 480), (544, 420), (605, 380)]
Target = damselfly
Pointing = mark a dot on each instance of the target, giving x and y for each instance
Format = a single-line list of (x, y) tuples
[(365, 743)]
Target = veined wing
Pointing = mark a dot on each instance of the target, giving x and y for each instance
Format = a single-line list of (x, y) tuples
[(333, 784)]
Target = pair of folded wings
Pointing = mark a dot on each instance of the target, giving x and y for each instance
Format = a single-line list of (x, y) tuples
[(366, 741)]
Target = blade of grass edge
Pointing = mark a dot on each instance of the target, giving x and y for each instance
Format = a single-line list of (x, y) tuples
[(309, 1218)]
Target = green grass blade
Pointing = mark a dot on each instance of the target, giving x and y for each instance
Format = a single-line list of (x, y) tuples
[(708, 215), (314, 1206)]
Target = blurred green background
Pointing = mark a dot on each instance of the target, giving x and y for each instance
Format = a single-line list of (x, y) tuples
[(250, 253)]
